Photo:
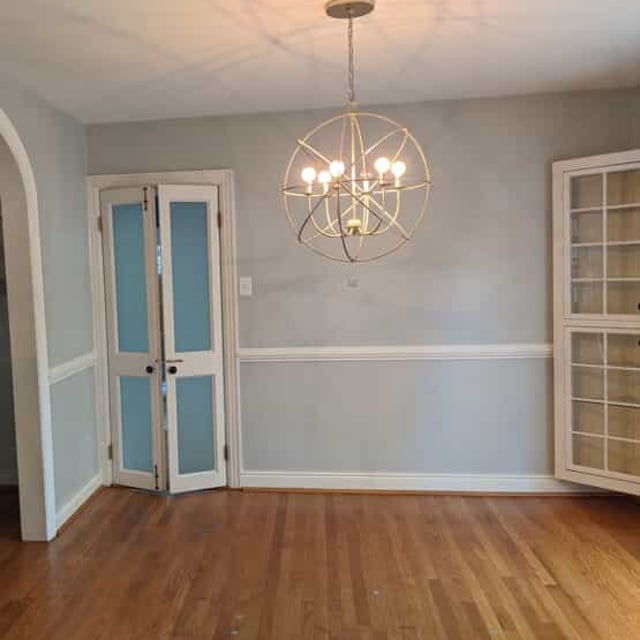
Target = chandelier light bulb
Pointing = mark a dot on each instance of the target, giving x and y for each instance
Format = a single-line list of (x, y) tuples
[(308, 174), (336, 168), (324, 177), (398, 169), (382, 165)]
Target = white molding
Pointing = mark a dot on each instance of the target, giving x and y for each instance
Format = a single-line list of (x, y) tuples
[(386, 353), (223, 179), (383, 481), (71, 367), (73, 504), (36, 479)]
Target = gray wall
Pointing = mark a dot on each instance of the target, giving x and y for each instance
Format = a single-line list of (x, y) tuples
[(57, 149), (477, 272), (73, 404)]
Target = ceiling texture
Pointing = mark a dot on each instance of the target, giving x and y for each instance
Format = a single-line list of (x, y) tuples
[(114, 60)]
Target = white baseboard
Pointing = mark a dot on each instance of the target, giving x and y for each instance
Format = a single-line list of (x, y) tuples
[(72, 505), (8, 477), (444, 482), (385, 353)]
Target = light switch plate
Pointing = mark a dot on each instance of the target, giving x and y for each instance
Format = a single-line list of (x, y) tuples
[(246, 287)]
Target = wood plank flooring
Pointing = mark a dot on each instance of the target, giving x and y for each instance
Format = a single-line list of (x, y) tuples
[(320, 566)]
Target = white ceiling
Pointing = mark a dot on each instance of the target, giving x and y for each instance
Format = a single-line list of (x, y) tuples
[(109, 60)]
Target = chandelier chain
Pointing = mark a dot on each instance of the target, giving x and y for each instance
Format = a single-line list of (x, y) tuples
[(352, 91)]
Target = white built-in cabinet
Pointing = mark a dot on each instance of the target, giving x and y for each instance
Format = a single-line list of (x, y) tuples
[(596, 232)]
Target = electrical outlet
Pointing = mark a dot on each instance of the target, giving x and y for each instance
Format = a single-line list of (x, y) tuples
[(246, 287)]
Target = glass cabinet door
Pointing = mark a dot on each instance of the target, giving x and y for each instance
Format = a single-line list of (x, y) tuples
[(604, 403), (604, 236)]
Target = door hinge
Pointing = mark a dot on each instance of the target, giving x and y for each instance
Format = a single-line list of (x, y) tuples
[(226, 452), (110, 452), (156, 476), (100, 223), (219, 219), (145, 200)]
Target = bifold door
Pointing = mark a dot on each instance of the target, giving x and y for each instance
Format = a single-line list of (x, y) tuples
[(162, 277)]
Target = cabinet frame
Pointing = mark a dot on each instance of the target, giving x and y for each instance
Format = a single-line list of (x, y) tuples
[(565, 321)]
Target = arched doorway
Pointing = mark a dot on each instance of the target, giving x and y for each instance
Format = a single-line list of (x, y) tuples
[(29, 359)]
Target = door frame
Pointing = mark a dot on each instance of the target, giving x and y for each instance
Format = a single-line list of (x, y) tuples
[(223, 180)]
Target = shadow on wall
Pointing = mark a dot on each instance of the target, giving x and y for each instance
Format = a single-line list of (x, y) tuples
[(8, 463)]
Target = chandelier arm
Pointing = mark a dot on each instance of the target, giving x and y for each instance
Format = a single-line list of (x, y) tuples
[(393, 217), (357, 196), (310, 215), (342, 235), (330, 224)]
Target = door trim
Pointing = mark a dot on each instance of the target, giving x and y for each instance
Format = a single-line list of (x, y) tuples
[(223, 180)]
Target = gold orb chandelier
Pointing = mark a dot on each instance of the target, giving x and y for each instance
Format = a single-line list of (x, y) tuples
[(357, 185)]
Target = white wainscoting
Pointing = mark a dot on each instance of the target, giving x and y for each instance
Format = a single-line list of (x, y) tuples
[(436, 482), (71, 367), (74, 503), (515, 351)]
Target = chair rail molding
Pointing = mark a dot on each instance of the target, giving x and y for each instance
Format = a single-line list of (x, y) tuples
[(503, 351)]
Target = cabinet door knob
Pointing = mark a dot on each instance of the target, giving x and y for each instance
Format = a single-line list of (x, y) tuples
[(173, 369), (149, 369)]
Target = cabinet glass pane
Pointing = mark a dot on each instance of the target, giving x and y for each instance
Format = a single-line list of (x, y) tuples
[(130, 277), (623, 350), (587, 348), (588, 451), (624, 422), (623, 225), (196, 423), (623, 262), (587, 383), (623, 298), (588, 417), (190, 265), (623, 187), (624, 457), (586, 297), (586, 262), (586, 226), (586, 191), (136, 424), (623, 386)]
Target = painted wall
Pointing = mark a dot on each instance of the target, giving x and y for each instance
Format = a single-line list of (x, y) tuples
[(56, 146), (478, 272)]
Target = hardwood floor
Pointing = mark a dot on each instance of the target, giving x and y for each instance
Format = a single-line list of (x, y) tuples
[(290, 566)]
